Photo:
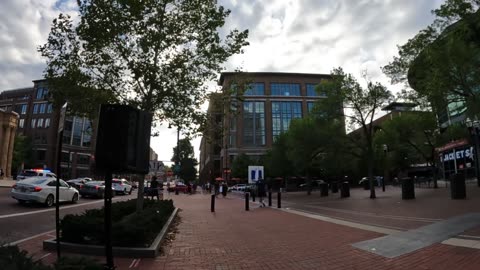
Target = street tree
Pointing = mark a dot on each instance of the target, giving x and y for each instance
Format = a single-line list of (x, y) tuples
[(22, 153), (441, 61), (184, 155), (240, 166), (360, 105), (155, 55), (277, 163)]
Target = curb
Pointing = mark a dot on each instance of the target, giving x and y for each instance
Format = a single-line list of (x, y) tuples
[(149, 252)]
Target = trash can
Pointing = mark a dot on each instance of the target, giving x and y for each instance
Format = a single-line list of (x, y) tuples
[(323, 189), (344, 190), (408, 188), (334, 187), (457, 186)]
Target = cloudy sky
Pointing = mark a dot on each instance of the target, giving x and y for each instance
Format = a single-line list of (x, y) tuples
[(311, 36)]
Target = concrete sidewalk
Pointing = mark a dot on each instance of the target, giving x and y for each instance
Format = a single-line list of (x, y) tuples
[(6, 183), (264, 238)]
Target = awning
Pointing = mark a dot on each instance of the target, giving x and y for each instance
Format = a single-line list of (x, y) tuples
[(219, 179), (236, 179)]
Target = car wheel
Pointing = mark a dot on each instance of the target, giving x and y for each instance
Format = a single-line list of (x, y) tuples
[(101, 195), (125, 191), (75, 198), (130, 192), (49, 201)]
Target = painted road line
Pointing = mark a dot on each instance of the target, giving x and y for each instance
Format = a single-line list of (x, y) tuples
[(29, 238), (137, 263), (44, 256), (133, 263), (51, 209)]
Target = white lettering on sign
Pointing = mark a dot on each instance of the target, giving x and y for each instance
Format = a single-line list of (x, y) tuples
[(459, 154)]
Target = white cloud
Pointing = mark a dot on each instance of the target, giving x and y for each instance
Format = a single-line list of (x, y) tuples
[(285, 35)]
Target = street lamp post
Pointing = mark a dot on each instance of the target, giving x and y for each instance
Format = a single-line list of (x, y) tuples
[(474, 130), (385, 150)]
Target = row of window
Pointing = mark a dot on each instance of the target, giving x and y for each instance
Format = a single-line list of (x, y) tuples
[(77, 131), (36, 123), (283, 89), (42, 92), (38, 108), (254, 120)]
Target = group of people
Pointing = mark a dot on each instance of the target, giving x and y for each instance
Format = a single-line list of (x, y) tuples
[(222, 188)]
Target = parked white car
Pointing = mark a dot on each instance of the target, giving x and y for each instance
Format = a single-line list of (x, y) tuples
[(42, 190), (239, 187), (121, 186)]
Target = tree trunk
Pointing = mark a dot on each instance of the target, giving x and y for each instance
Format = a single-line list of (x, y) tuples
[(141, 185), (370, 173)]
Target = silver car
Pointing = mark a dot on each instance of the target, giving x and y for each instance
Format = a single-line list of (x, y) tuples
[(121, 186), (42, 190)]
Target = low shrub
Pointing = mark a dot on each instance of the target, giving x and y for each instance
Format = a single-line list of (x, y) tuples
[(129, 227), (12, 258)]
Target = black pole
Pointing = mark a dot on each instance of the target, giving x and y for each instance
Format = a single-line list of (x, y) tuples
[(476, 138), (108, 220), (279, 200), (57, 193), (247, 201), (269, 198), (212, 205), (253, 195)]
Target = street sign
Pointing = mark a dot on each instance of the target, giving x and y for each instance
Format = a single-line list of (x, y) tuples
[(63, 112), (157, 168)]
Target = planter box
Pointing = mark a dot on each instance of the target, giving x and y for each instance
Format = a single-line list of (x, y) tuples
[(148, 252)]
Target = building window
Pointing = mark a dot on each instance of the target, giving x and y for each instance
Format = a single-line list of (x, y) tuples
[(87, 133), (24, 109), (310, 106), (254, 123), (21, 123), (66, 157), (285, 89), (42, 92), (67, 130), (43, 107), (282, 115), (34, 122), (40, 123), (83, 159), (49, 108), (41, 155), (255, 89), (35, 108), (311, 91), (77, 131), (47, 122)]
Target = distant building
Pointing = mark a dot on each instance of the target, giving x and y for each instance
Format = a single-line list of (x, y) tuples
[(153, 155), (8, 127), (38, 120), (266, 110)]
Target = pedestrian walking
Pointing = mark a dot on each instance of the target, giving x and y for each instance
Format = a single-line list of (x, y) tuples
[(168, 187), (1, 173), (261, 191), (224, 190), (154, 188)]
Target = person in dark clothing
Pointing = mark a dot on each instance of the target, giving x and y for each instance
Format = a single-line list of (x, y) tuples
[(224, 190), (154, 188), (261, 191)]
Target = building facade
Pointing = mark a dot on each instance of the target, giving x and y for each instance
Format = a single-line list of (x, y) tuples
[(251, 123), (38, 120), (8, 127)]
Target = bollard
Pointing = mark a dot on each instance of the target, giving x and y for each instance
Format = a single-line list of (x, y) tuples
[(176, 191), (253, 195), (247, 201), (269, 198), (279, 200), (344, 190), (212, 207)]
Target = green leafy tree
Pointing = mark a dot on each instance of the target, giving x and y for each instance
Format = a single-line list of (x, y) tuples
[(240, 166), (359, 108), (441, 61), (184, 155), (156, 55), (22, 153), (277, 163)]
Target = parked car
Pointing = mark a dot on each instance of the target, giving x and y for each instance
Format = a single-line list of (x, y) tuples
[(41, 189), (35, 172), (78, 182), (121, 186), (94, 189), (238, 187), (181, 187), (315, 184)]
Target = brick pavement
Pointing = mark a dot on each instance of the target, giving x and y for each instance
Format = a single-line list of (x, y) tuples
[(264, 238)]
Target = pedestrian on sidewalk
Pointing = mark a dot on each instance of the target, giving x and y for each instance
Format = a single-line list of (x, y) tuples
[(1, 173), (261, 191), (154, 188), (224, 190)]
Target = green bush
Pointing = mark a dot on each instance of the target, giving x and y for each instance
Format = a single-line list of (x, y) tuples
[(129, 227), (12, 258)]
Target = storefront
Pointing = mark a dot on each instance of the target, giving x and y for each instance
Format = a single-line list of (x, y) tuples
[(457, 157)]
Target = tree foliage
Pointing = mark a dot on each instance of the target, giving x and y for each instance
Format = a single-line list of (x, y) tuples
[(22, 152), (185, 156), (155, 55), (360, 105), (240, 166), (441, 61)]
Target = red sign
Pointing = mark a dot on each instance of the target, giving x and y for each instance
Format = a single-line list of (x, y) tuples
[(452, 145)]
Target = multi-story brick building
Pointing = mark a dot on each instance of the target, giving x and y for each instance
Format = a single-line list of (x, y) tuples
[(39, 121), (266, 109)]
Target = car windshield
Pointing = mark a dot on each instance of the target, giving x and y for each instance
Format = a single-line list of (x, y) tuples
[(29, 173)]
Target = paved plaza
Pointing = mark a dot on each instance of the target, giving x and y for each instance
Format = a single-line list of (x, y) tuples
[(269, 238)]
